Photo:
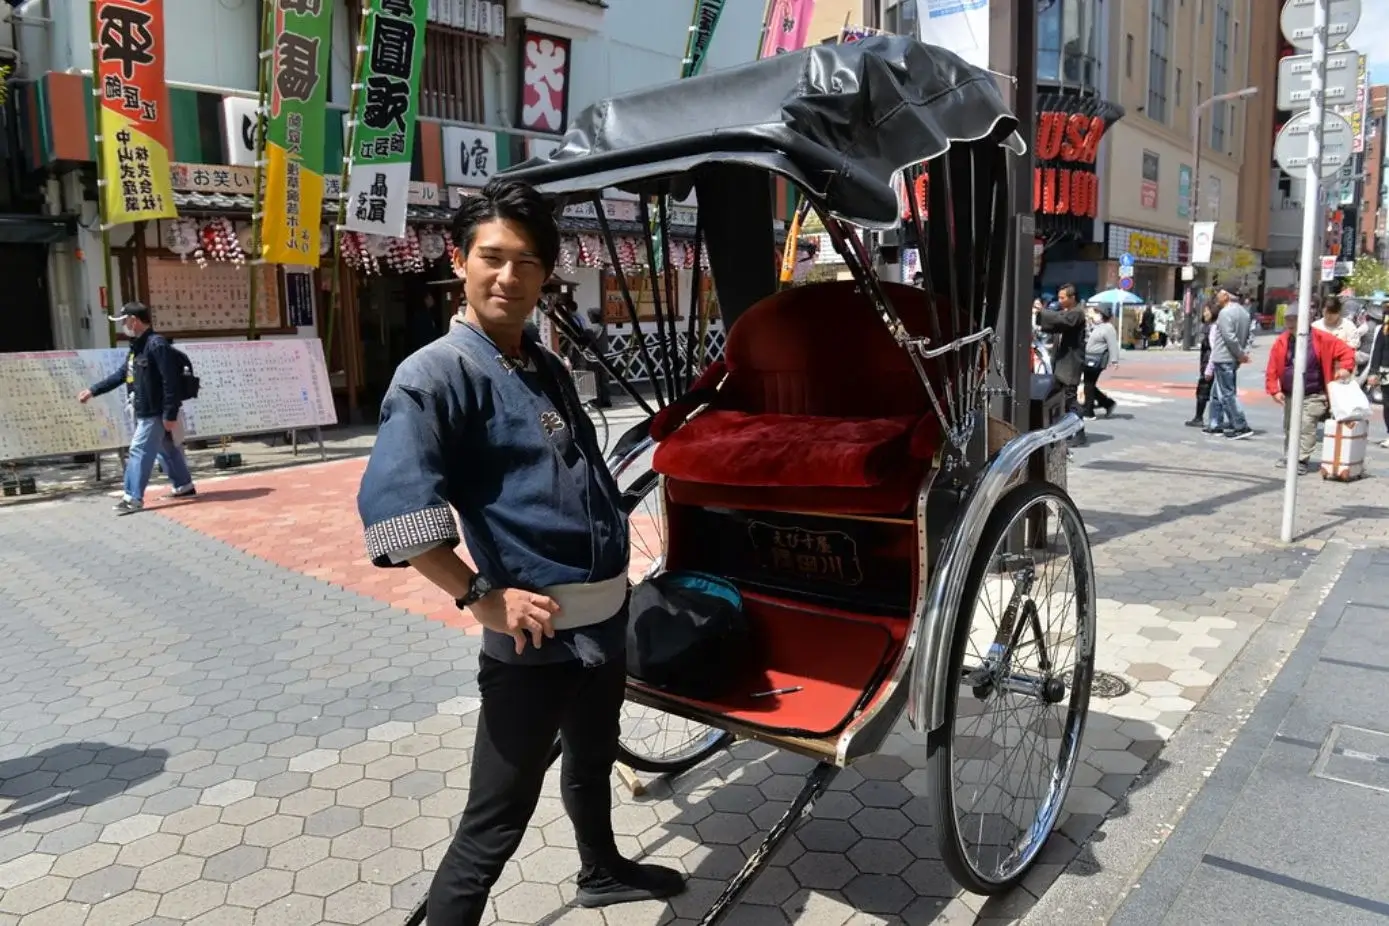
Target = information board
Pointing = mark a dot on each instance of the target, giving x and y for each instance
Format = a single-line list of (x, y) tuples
[(186, 297), (248, 387)]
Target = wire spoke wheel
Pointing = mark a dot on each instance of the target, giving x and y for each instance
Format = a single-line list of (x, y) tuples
[(1024, 652), (652, 740)]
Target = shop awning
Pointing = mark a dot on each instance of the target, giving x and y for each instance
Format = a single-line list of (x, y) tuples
[(233, 203), (36, 229)]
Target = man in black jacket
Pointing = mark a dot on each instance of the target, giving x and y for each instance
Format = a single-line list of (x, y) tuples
[(154, 395), (1066, 325)]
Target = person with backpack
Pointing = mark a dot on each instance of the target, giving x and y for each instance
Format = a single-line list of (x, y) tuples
[(158, 378)]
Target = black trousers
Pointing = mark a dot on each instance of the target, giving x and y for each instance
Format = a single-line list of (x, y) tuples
[(1203, 397), (523, 708), (1093, 395)]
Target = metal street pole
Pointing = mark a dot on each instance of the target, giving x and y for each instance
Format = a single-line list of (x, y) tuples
[(1311, 216), (1194, 202)]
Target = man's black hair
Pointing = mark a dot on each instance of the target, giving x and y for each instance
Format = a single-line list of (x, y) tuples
[(516, 201), (1066, 288)]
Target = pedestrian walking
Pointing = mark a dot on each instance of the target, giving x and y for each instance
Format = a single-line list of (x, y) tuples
[(1204, 375), (1334, 323), (1101, 353), (485, 423), (1229, 351), (1379, 369), (1328, 359), (1066, 325), (153, 376)]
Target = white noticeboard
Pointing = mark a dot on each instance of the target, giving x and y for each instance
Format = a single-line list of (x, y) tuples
[(248, 387), (1328, 268), (1295, 80), (1297, 17)]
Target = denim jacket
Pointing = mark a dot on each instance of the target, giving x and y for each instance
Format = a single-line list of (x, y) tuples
[(463, 429), (151, 376)]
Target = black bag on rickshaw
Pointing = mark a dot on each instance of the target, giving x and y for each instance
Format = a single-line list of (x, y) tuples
[(687, 634)]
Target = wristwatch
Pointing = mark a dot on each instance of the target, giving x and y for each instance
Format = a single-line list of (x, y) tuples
[(477, 589)]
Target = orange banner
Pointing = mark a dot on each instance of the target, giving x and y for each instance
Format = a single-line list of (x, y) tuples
[(134, 124)]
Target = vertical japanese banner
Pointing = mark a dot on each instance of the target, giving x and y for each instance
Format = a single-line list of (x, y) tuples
[(706, 18), (378, 180), (128, 46), (788, 23), (302, 37)]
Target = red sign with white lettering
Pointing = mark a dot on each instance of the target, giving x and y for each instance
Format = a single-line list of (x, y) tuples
[(1065, 183)]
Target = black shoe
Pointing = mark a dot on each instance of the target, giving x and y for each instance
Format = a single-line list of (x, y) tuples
[(1196, 423), (188, 491), (1080, 440), (628, 882), (127, 506), (1303, 468), (1241, 434), (1109, 409), (1088, 413)]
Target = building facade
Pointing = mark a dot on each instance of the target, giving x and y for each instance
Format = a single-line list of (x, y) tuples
[(488, 100), (1372, 205)]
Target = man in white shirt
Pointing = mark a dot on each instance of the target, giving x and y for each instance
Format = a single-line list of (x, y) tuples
[(1334, 322)]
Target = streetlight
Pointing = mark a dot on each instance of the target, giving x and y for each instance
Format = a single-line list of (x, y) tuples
[(1194, 197)]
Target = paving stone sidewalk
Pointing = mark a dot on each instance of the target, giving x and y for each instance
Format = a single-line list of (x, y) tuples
[(193, 733)]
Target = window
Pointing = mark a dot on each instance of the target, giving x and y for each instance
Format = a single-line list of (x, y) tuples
[(1128, 57), (1220, 77), (1159, 37), (900, 18), (1080, 54), (1177, 88), (451, 81)]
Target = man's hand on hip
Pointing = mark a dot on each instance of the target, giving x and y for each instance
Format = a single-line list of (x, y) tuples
[(516, 612)]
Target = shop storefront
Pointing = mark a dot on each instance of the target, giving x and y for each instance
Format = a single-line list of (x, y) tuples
[(1158, 257)]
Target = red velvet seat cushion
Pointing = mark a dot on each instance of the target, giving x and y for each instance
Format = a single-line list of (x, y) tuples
[(738, 449)]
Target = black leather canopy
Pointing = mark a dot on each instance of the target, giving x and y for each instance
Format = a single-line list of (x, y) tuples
[(838, 120)]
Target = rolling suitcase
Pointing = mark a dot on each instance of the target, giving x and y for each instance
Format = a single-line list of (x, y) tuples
[(1343, 450)]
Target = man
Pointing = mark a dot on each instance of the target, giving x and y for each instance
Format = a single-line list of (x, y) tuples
[(1328, 359), (154, 399), (1066, 325), (485, 422), (1334, 323), (1230, 350)]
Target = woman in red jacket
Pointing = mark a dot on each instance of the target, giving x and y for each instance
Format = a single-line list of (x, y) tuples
[(1328, 359)]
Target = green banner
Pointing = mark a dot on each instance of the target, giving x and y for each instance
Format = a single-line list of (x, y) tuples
[(301, 41), (383, 120), (706, 18)]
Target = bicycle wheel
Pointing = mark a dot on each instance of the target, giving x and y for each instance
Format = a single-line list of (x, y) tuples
[(600, 423), (1024, 654), (651, 740)]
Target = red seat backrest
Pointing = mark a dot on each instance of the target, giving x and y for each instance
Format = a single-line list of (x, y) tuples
[(823, 349)]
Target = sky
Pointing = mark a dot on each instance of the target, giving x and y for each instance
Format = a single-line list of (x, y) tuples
[(1371, 38)]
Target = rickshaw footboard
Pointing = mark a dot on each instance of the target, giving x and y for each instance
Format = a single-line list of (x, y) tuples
[(816, 783)]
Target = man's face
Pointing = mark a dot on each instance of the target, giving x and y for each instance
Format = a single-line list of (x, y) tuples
[(502, 272), (1066, 298), (1222, 298), (133, 327)]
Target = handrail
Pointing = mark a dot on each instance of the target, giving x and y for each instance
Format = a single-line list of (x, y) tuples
[(926, 697)]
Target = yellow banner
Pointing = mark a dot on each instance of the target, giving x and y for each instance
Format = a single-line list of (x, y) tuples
[(136, 169), (291, 227)]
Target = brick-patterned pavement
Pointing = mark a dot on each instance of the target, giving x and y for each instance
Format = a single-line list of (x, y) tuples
[(217, 714)]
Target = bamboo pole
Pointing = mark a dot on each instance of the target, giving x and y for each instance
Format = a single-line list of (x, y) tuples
[(347, 144), (101, 182), (255, 260)]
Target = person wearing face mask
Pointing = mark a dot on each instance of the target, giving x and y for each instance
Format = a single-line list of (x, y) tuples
[(152, 380), (485, 424)]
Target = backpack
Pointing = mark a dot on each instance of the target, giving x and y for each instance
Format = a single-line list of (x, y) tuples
[(687, 634), (188, 382)]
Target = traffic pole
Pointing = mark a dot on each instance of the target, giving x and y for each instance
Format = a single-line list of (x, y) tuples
[(1311, 216)]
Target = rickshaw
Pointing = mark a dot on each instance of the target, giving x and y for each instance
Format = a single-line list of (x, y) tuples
[(899, 548)]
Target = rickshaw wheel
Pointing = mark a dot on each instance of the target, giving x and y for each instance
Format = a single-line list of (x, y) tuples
[(1024, 652), (651, 740)]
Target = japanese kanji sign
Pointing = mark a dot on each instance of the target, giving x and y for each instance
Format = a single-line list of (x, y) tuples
[(378, 180), (301, 39), (544, 82), (134, 122)]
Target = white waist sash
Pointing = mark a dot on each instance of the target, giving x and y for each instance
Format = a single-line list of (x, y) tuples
[(584, 603)]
